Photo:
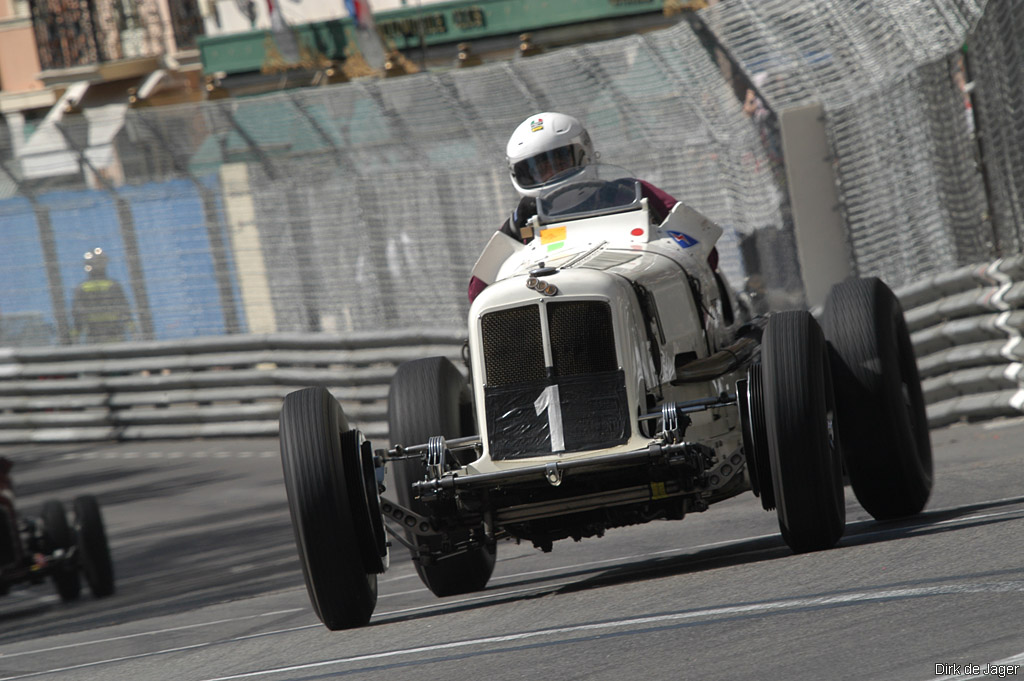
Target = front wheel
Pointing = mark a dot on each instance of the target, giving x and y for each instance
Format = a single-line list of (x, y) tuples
[(331, 516), (430, 397), (59, 540), (803, 449), (93, 549)]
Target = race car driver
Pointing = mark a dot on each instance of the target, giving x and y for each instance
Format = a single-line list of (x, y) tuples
[(541, 147)]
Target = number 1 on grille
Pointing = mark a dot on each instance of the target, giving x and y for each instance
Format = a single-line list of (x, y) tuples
[(549, 401)]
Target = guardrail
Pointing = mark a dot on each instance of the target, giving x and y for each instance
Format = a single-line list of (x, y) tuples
[(208, 387), (966, 327)]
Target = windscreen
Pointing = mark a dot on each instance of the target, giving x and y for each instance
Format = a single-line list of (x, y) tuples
[(589, 191)]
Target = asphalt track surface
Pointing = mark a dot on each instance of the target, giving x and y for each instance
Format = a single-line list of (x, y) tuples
[(209, 585)]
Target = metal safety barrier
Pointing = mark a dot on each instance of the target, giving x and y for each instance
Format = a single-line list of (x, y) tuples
[(966, 326), (229, 386)]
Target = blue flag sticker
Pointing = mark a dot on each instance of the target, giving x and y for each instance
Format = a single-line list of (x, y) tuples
[(684, 240)]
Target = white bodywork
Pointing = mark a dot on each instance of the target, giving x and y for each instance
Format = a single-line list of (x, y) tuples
[(601, 258)]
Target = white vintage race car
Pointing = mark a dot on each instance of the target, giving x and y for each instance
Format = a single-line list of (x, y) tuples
[(614, 380)]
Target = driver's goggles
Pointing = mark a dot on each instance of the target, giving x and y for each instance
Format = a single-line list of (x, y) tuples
[(536, 170)]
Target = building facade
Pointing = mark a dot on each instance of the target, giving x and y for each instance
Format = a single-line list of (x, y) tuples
[(59, 58)]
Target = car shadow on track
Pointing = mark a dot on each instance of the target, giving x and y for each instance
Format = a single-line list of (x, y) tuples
[(740, 552), (857, 533), (553, 583), (932, 522)]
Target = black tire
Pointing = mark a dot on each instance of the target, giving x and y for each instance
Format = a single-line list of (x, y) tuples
[(804, 453), (883, 426), (10, 540), (430, 397), (93, 549), (317, 479), (57, 537)]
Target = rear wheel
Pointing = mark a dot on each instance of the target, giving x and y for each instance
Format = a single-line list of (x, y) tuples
[(93, 549), (800, 417), (429, 397), (323, 476), (883, 426), (59, 541)]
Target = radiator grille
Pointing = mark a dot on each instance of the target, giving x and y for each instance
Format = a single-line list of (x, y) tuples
[(582, 340), (513, 346)]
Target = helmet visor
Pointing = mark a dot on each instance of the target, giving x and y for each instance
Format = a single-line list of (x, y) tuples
[(536, 170)]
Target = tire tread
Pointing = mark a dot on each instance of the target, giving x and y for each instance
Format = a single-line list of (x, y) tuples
[(886, 442), (342, 594), (806, 479), (429, 397)]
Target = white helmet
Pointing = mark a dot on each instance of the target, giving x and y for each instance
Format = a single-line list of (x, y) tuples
[(544, 145)]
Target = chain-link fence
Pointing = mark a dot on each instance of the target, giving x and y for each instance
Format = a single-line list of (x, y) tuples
[(363, 206), (892, 80), (995, 60), (357, 206)]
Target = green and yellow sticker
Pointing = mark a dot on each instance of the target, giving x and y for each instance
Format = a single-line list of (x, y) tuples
[(553, 238)]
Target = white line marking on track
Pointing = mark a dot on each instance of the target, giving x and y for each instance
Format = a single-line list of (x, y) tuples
[(980, 516), (840, 599), (155, 632), (166, 651), (75, 456), (643, 621), (497, 594)]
